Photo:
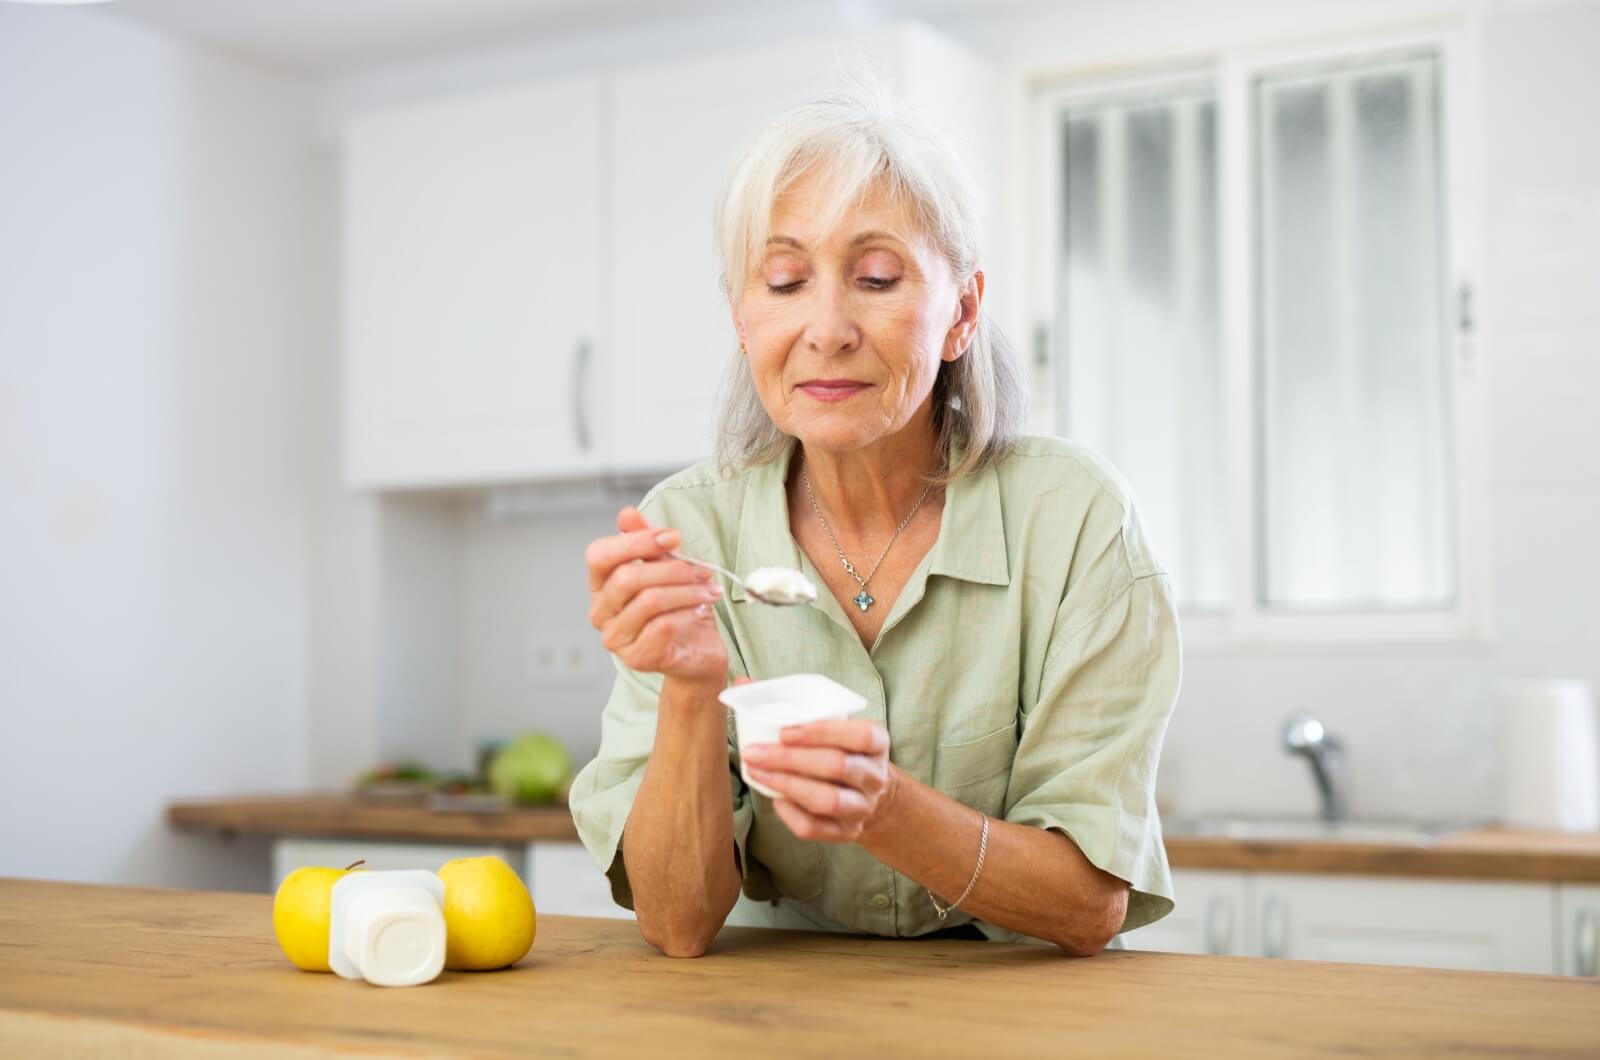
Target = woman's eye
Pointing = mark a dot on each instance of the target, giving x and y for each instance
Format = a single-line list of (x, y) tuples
[(785, 288), (880, 283)]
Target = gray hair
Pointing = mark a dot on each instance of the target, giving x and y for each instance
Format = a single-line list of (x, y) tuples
[(861, 140)]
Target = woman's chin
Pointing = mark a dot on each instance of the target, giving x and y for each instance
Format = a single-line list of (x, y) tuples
[(834, 437)]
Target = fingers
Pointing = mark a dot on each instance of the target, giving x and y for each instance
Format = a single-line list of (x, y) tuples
[(630, 519), (869, 774), (606, 554), (847, 734), (625, 626), (809, 826), (817, 797), (631, 579)]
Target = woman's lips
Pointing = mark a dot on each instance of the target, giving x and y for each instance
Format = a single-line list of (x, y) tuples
[(832, 389)]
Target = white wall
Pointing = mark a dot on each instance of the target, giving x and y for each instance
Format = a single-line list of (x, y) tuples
[(1423, 724), (158, 323)]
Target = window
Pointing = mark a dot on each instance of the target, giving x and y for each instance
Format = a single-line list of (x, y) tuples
[(1248, 309), (1354, 504), (1136, 305)]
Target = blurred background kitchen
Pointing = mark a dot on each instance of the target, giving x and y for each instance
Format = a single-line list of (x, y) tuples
[(331, 332)]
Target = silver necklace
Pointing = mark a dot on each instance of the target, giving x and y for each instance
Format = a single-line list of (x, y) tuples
[(863, 599)]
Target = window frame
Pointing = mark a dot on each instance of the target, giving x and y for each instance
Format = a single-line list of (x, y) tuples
[(1231, 74)]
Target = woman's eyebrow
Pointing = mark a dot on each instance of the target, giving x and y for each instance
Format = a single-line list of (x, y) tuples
[(864, 237)]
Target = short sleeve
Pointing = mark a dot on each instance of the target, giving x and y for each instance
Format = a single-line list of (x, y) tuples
[(1089, 746), (603, 792)]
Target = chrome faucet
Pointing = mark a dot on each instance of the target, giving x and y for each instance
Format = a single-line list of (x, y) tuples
[(1305, 735)]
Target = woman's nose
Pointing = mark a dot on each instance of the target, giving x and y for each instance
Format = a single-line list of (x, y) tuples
[(830, 329)]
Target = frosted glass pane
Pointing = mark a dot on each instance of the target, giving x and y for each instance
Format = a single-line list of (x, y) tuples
[(1081, 304), (1204, 560), (1354, 501), (1137, 308)]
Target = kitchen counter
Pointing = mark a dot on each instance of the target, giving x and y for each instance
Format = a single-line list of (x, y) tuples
[(1484, 854), (1501, 854), (115, 971), (344, 815)]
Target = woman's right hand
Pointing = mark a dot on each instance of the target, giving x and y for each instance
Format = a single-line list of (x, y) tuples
[(654, 612)]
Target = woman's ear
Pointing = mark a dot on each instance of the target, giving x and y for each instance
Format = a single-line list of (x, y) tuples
[(959, 339), (738, 325)]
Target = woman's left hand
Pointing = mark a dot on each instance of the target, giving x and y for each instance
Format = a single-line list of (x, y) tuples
[(834, 777)]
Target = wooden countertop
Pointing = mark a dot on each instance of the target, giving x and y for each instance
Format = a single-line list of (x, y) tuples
[(114, 971), (343, 815), (1499, 854), (1487, 854)]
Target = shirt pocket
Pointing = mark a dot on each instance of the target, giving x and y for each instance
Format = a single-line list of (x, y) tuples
[(976, 772), (795, 865)]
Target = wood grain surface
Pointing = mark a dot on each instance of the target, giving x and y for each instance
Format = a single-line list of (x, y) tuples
[(1488, 854), (110, 971), (342, 815)]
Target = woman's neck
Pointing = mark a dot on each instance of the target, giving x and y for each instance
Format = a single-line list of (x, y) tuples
[(865, 493)]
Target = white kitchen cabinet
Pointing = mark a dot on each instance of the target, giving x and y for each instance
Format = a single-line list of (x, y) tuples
[(471, 263), (1578, 929), (566, 882), (675, 131), (1434, 923), (1212, 916), (531, 289), (289, 853)]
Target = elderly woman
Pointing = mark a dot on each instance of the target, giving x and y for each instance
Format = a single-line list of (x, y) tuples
[(991, 595)]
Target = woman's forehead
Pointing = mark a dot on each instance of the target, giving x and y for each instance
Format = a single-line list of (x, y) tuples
[(816, 210)]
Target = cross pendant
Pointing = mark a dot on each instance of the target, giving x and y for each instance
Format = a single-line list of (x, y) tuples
[(863, 600)]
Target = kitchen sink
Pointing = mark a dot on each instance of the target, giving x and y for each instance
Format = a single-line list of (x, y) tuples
[(1290, 829)]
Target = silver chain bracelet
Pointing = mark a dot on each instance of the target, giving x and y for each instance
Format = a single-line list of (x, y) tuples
[(983, 848)]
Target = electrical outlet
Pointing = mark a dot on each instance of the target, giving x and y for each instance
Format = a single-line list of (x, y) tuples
[(562, 660)]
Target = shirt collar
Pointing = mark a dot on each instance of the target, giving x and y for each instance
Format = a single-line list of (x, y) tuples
[(972, 534), (971, 544)]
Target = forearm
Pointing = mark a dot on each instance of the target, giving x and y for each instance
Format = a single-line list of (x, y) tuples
[(1034, 881), (678, 844)]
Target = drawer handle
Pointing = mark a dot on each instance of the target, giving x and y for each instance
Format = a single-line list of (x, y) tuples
[(1274, 928), (580, 395), (1219, 927), (1586, 949)]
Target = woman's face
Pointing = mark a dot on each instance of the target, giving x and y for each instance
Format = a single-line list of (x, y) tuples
[(845, 330)]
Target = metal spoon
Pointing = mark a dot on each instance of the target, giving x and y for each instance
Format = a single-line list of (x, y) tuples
[(774, 599)]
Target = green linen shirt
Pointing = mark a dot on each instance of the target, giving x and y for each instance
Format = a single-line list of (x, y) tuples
[(1028, 669)]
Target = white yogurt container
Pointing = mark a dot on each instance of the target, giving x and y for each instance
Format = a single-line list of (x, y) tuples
[(763, 709), (388, 927)]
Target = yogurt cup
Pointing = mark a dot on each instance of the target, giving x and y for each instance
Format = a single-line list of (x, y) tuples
[(763, 709), (388, 927)]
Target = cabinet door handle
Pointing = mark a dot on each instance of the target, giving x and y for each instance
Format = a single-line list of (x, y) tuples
[(1274, 928), (1586, 947), (1219, 926), (580, 395)]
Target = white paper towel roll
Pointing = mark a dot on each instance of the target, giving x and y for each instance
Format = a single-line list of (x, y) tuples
[(1553, 756)]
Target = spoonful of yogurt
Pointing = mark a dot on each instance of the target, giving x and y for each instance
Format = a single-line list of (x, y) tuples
[(778, 586)]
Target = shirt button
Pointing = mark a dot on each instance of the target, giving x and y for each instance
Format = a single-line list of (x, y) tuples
[(880, 901)]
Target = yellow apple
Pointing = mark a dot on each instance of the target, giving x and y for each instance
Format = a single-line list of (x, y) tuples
[(489, 919), (300, 914)]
